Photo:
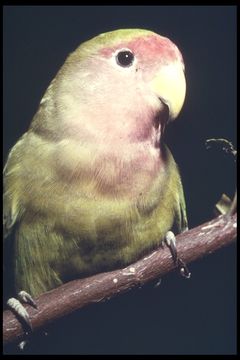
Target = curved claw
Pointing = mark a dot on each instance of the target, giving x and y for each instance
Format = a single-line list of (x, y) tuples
[(183, 269), (27, 298), (22, 344)]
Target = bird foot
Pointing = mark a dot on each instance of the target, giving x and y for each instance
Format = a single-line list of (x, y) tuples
[(16, 306), (170, 241)]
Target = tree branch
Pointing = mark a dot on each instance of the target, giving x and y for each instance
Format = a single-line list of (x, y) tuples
[(76, 294)]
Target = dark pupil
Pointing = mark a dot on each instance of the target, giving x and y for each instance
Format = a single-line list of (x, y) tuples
[(125, 58)]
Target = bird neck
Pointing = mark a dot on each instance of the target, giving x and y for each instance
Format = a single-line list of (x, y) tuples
[(118, 171)]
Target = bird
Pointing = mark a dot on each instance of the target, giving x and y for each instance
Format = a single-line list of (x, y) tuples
[(91, 186)]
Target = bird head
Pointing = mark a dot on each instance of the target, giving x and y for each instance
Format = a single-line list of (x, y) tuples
[(122, 85)]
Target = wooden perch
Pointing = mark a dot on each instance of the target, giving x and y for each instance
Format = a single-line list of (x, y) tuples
[(76, 294)]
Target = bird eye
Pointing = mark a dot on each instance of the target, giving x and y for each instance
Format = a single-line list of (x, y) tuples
[(125, 58)]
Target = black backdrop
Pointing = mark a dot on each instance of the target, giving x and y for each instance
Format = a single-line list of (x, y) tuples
[(196, 316)]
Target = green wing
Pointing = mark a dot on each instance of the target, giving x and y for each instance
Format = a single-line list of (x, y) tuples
[(11, 201), (183, 222), (180, 223)]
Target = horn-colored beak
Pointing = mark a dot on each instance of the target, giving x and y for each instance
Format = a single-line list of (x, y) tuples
[(169, 84)]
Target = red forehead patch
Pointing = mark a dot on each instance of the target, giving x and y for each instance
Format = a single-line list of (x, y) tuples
[(149, 47)]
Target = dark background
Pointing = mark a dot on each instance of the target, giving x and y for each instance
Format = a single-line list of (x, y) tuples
[(196, 316)]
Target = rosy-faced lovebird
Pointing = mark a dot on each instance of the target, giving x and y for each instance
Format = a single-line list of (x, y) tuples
[(91, 186)]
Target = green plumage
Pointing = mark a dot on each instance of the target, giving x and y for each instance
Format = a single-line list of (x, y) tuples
[(82, 203), (103, 234)]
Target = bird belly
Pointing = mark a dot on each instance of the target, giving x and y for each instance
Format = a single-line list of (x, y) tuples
[(48, 255)]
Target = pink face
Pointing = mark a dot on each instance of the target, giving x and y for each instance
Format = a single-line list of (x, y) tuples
[(119, 100), (150, 52)]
